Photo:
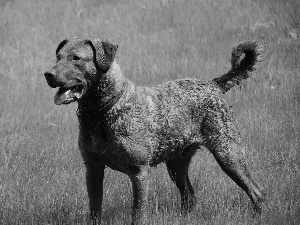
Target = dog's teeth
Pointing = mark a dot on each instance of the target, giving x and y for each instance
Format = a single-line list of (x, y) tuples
[(77, 95)]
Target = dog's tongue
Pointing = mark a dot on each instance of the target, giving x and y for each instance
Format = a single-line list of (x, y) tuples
[(62, 95), (68, 95)]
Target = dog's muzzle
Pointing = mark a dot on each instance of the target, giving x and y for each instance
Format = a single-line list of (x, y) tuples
[(68, 92)]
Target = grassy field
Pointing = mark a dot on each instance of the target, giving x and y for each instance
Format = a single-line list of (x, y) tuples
[(41, 171)]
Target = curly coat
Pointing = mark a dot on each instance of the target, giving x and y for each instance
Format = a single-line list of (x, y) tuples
[(130, 128)]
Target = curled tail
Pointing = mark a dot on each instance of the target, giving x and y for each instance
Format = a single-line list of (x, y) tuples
[(241, 69)]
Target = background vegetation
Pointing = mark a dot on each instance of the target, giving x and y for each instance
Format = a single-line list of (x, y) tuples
[(41, 171)]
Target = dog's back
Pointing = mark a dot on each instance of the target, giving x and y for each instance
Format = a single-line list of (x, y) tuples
[(168, 117)]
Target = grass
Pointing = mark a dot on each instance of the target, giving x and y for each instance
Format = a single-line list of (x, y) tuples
[(41, 171)]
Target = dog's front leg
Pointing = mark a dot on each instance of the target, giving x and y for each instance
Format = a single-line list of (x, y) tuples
[(94, 182), (139, 180)]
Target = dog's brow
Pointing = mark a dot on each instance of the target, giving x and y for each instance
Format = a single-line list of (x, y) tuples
[(81, 51)]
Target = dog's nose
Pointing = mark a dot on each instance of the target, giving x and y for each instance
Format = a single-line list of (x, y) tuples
[(49, 75)]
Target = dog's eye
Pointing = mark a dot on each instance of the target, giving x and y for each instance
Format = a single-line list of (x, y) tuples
[(76, 58)]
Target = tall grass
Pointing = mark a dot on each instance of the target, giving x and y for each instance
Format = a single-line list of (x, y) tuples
[(41, 171)]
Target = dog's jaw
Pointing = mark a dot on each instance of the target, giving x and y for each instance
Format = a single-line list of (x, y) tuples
[(68, 95)]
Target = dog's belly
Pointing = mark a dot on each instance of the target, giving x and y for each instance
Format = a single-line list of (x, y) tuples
[(176, 147), (137, 150), (154, 139), (146, 146)]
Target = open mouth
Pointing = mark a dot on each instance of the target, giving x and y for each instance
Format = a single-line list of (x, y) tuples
[(66, 95)]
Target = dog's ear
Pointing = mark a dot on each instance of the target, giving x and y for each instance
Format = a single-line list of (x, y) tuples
[(61, 45), (104, 53)]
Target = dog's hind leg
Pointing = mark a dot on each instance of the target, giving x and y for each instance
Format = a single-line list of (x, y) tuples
[(234, 165), (223, 140), (178, 168)]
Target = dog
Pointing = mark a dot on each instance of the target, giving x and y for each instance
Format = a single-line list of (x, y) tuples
[(130, 128)]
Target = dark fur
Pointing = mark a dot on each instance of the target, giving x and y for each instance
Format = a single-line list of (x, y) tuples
[(130, 128)]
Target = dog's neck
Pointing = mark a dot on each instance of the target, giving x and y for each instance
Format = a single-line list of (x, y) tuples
[(100, 99)]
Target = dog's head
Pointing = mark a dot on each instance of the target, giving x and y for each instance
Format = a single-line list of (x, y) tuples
[(80, 65)]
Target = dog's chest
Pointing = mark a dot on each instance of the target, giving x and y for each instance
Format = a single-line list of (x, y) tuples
[(116, 150)]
